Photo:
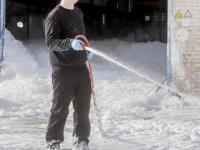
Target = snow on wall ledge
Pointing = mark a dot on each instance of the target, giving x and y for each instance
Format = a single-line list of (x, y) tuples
[(185, 45)]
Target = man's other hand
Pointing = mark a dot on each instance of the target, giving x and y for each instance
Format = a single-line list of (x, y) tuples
[(90, 55)]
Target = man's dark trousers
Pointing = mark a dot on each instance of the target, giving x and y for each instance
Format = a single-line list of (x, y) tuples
[(70, 84)]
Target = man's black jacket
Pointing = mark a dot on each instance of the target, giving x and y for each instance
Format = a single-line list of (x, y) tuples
[(61, 26)]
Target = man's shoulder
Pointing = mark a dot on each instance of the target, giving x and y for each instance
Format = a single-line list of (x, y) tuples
[(77, 9), (53, 12)]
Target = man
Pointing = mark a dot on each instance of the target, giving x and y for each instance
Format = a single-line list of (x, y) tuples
[(70, 75)]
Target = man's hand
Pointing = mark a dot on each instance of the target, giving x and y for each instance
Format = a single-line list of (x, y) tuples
[(76, 44), (90, 55)]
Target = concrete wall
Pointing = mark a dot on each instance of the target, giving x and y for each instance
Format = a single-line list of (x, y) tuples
[(186, 53)]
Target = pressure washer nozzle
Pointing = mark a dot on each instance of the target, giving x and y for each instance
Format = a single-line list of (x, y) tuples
[(83, 46)]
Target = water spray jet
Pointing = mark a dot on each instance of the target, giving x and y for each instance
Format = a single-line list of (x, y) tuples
[(89, 49)]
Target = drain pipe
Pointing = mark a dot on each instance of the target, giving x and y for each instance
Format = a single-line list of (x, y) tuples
[(2, 29)]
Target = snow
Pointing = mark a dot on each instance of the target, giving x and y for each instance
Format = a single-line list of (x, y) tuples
[(178, 50), (134, 116)]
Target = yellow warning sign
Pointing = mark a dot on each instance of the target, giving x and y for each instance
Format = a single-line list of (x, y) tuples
[(179, 15)]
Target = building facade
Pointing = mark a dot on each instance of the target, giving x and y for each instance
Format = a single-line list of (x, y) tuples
[(185, 45)]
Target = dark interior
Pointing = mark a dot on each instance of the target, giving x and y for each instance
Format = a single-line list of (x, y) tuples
[(133, 20)]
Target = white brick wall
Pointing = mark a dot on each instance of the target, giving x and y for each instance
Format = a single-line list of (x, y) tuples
[(191, 56)]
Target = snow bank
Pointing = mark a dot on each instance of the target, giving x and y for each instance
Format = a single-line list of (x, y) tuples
[(124, 99), (26, 73), (26, 76)]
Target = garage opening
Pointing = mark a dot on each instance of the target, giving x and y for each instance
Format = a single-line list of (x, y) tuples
[(132, 20)]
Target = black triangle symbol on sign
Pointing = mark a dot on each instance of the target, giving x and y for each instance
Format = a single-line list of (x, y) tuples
[(187, 14)]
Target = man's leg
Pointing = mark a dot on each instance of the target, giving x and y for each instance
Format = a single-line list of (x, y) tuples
[(64, 85), (81, 104)]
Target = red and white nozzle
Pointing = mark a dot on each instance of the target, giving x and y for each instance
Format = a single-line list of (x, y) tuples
[(84, 46), (85, 39)]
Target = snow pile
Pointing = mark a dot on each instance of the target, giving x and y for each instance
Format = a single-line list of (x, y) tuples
[(134, 116), (22, 62), (25, 79), (26, 73)]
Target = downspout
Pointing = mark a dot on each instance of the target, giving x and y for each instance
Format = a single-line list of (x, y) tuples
[(169, 43), (2, 29)]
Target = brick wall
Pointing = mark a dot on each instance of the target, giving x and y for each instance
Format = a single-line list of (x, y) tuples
[(190, 49)]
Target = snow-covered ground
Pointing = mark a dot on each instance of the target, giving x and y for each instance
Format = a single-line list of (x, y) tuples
[(134, 116)]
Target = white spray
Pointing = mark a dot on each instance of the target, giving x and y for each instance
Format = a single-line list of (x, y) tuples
[(100, 126), (126, 67), (120, 64)]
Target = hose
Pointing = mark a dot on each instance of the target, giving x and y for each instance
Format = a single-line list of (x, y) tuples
[(95, 107)]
